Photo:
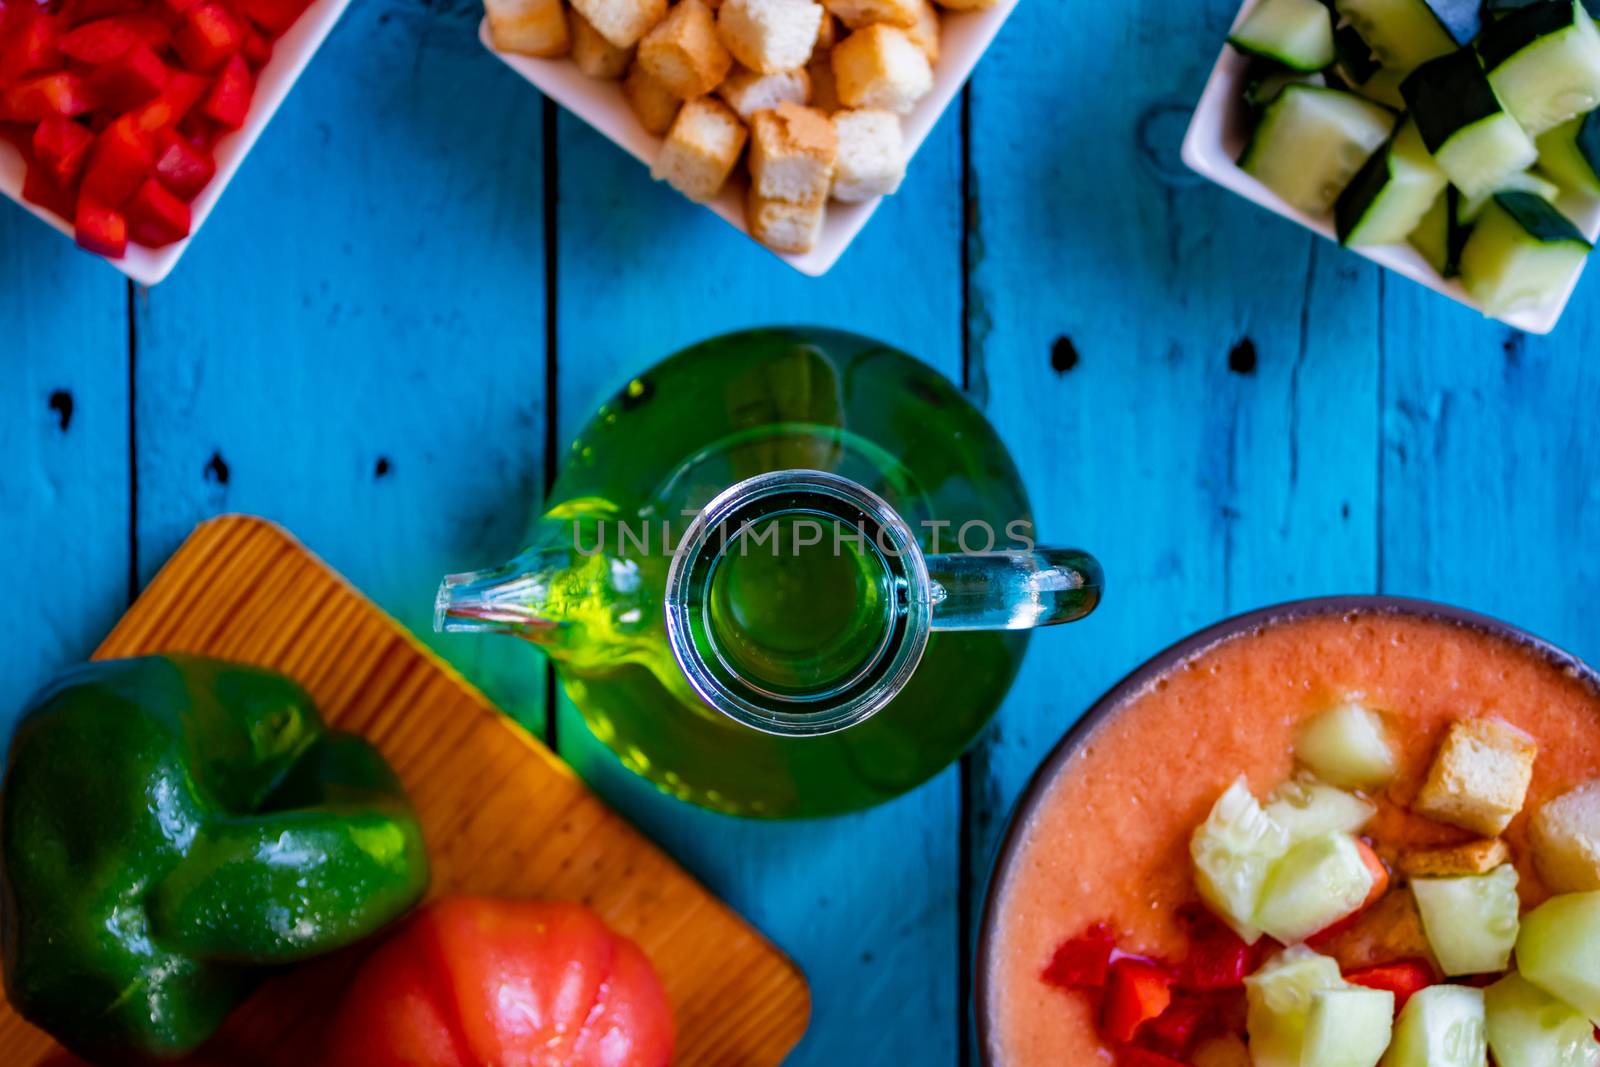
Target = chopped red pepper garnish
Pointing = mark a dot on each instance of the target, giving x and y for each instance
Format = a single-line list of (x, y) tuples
[(28, 46), (183, 168), (36, 99), (229, 100), (155, 217), (1081, 963), (121, 160), (1402, 978), (1134, 1056), (208, 36), (99, 41), (1175, 1029), (60, 146), (137, 77), (1136, 992), (1218, 958), (101, 229)]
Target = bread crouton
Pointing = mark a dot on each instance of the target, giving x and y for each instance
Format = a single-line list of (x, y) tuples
[(748, 92), (824, 89), (858, 13), (827, 34), (1389, 930), (1474, 857), (782, 226), (793, 150), (683, 51), (770, 35), (1566, 840), (872, 157), (879, 67), (924, 33), (529, 27), (594, 55), (652, 103), (622, 22), (1479, 778), (701, 149)]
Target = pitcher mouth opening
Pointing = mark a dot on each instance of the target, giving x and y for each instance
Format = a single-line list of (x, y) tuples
[(798, 603)]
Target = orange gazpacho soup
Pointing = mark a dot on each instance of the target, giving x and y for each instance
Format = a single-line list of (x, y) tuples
[(1108, 840)]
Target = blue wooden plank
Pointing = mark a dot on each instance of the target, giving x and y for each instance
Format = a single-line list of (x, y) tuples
[(1491, 468), (867, 905), (64, 485), (355, 344), (1189, 385)]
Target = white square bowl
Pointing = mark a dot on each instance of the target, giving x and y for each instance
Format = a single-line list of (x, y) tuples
[(1216, 139), (290, 54), (601, 104)]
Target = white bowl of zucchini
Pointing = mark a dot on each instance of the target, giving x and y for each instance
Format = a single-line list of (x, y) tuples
[(1454, 141)]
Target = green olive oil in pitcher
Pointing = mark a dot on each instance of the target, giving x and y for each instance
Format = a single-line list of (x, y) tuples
[(783, 573)]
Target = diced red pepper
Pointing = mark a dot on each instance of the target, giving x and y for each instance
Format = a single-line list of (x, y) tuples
[(1081, 962), (183, 167), (134, 79), (121, 160), (178, 97), (229, 100), (208, 36), (60, 146), (39, 189), (1175, 1029), (257, 48), (178, 7), (101, 229), (1133, 1056), (99, 41), (1136, 992), (36, 99), (274, 16), (1402, 978), (1218, 958), (27, 45), (157, 218), (77, 12)]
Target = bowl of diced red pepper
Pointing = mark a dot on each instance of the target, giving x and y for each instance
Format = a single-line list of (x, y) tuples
[(122, 120)]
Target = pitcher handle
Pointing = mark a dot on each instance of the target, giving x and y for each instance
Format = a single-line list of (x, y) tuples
[(1013, 590)]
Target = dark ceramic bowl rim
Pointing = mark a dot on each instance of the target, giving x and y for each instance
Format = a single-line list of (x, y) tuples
[(1161, 663)]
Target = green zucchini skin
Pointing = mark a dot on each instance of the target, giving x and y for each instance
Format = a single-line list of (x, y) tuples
[(1457, 234), (1352, 205), (1505, 37), (1496, 9), (1540, 219), (1355, 55), (1448, 94)]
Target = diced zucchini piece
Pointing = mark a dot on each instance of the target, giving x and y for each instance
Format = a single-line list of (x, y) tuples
[(1296, 33), (1315, 884), (1384, 88), (1544, 64), (1439, 237), (1355, 58), (1311, 142), (1265, 80), (1474, 140), (1468, 211), (1347, 1028), (1404, 34), (1348, 744), (1530, 1028), (1559, 950), (1500, 8), (1522, 253), (1278, 1004), (1233, 851), (1471, 920), (1307, 808), (1441, 1026), (1570, 154)]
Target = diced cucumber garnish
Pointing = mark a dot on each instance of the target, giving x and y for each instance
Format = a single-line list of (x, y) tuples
[(1471, 921), (1347, 1028), (1390, 195), (1296, 33), (1544, 64), (1522, 253), (1501, 8), (1384, 88), (1348, 745), (1307, 808), (1468, 211), (1315, 884), (1474, 140), (1312, 141), (1407, 33), (1559, 950), (1441, 1026), (1570, 154), (1354, 55), (1233, 850), (1263, 86), (1530, 1028), (1439, 237), (1278, 1004)]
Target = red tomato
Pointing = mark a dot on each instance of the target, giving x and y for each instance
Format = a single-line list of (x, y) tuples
[(470, 981)]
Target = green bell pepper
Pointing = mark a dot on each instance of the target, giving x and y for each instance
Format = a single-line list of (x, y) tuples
[(172, 826)]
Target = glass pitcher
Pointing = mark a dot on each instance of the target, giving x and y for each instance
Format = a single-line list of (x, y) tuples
[(783, 573)]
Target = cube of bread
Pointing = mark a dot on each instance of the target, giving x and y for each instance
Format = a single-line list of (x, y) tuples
[(924, 33), (748, 92), (528, 27), (880, 67), (824, 89), (783, 226), (872, 155), (1479, 778), (858, 13), (769, 36), (1474, 857), (792, 153), (1566, 840), (622, 22), (594, 55), (683, 51), (967, 5), (652, 103), (827, 34), (701, 149)]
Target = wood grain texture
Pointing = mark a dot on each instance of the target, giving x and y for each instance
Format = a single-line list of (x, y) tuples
[(501, 814), (867, 904)]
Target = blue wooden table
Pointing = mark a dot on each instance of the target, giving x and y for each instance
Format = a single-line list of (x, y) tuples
[(425, 278)]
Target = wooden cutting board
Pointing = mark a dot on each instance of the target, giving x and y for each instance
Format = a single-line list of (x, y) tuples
[(502, 814)]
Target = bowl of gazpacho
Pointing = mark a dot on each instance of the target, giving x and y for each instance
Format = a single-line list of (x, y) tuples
[(1337, 833)]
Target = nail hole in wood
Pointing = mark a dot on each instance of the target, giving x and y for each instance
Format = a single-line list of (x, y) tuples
[(381, 468), (1242, 357), (1063, 355), (217, 469), (61, 403)]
